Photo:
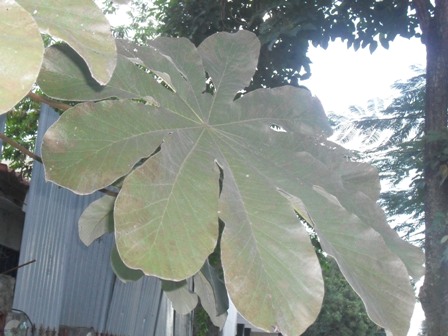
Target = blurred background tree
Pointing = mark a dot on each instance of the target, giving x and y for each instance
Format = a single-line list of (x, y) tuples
[(391, 138)]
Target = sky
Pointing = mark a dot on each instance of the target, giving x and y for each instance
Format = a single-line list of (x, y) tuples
[(342, 77)]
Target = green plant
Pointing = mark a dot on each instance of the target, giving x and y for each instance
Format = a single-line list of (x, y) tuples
[(189, 158), (184, 159)]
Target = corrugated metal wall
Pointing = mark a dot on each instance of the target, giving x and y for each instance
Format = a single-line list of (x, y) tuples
[(73, 285), (2, 128)]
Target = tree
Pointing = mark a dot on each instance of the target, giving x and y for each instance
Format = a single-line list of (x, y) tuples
[(21, 127), (141, 14), (191, 165), (342, 311), (434, 25), (286, 28), (392, 139), (402, 158)]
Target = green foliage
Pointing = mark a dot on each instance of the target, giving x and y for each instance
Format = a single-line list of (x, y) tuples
[(285, 28), (402, 158), (342, 313), (202, 325), (143, 25), (21, 126)]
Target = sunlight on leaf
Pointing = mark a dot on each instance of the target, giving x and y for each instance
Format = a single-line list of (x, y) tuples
[(21, 61), (83, 26)]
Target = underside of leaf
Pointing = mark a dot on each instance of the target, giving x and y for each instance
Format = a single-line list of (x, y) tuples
[(197, 156)]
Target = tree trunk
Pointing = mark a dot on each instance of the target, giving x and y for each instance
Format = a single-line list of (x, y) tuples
[(434, 293)]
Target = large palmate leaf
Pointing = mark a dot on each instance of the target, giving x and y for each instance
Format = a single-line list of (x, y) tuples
[(21, 61), (83, 26), (197, 155)]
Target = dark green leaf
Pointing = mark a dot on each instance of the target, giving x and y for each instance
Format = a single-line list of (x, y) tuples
[(123, 272), (180, 295)]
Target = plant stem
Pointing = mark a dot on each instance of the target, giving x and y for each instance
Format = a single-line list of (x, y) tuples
[(19, 147), (50, 102), (27, 152)]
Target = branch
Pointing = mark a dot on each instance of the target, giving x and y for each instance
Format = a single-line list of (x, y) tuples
[(19, 147), (27, 152), (50, 102), (17, 267), (109, 192)]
